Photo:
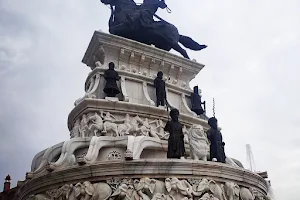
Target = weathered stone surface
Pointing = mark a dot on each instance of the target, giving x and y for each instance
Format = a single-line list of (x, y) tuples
[(152, 168)]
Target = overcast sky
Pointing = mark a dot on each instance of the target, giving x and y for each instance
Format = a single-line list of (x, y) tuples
[(252, 63)]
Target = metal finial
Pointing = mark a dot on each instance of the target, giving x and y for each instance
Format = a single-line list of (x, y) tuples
[(214, 107)]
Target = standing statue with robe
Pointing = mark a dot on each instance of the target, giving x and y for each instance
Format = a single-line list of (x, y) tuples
[(111, 76), (196, 102), (216, 141), (160, 87), (175, 142)]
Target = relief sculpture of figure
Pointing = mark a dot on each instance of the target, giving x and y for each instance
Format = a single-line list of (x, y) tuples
[(216, 141), (96, 124), (126, 127), (179, 189), (196, 102), (125, 192), (208, 186), (160, 87), (161, 131), (111, 76), (153, 132), (145, 128), (175, 142), (109, 125), (135, 121)]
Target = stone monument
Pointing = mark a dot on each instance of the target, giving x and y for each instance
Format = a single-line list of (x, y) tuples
[(118, 147)]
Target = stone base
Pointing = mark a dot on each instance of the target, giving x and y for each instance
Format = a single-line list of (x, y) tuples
[(187, 174)]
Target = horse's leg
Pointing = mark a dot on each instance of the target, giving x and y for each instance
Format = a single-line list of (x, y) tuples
[(104, 127), (178, 48), (190, 43), (116, 130), (128, 129)]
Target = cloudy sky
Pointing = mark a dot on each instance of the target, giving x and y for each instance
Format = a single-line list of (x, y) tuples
[(252, 63)]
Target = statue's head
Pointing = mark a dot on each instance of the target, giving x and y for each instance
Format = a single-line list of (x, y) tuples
[(162, 4), (196, 89), (174, 113), (213, 123), (111, 66), (160, 74)]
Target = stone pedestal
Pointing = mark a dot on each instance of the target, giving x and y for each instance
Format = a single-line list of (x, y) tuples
[(118, 148)]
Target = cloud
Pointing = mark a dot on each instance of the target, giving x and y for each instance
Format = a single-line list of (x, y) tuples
[(251, 70)]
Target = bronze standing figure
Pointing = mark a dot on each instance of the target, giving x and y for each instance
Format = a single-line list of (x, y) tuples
[(160, 87), (111, 76), (216, 141), (175, 142)]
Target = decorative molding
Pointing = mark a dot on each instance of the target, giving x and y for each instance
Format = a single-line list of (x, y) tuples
[(67, 156), (123, 89), (98, 143), (186, 107), (194, 173), (47, 156), (91, 87), (124, 48), (122, 108), (146, 94)]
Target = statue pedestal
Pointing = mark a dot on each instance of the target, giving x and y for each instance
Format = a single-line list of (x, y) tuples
[(119, 147)]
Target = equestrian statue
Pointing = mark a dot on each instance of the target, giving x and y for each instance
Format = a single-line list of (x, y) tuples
[(136, 22)]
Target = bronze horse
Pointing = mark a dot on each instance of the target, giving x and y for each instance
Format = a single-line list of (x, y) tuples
[(136, 22)]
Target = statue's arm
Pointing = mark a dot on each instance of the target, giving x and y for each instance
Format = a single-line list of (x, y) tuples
[(105, 75), (167, 126), (114, 118), (182, 135), (208, 133), (155, 82)]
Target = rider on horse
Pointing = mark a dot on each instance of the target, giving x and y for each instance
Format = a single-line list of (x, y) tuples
[(136, 23), (143, 17)]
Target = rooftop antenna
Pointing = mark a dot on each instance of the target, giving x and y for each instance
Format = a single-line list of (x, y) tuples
[(250, 158)]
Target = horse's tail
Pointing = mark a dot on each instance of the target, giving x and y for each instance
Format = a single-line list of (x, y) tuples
[(190, 43)]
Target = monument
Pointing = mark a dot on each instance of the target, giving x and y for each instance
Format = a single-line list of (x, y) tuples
[(118, 146)]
